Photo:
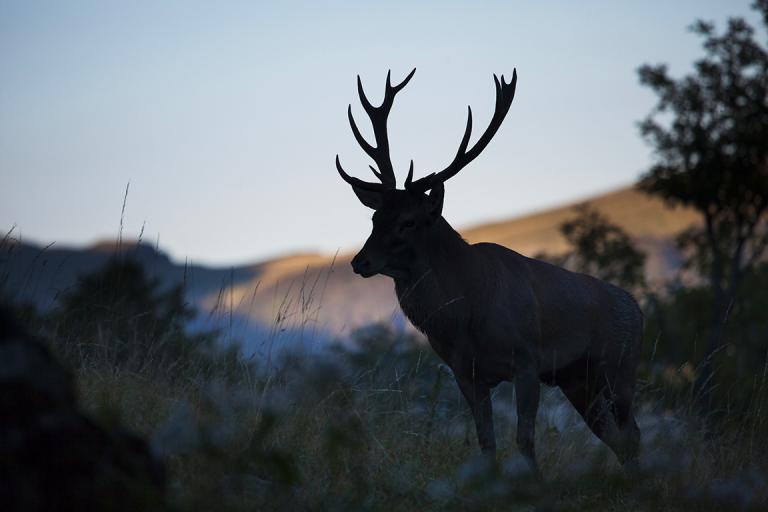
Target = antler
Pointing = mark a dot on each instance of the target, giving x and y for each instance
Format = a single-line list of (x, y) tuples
[(505, 93), (380, 153)]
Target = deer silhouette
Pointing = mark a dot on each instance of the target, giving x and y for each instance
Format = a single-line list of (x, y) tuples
[(490, 313)]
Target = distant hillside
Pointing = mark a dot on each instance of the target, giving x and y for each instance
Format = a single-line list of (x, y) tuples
[(313, 296), (649, 221)]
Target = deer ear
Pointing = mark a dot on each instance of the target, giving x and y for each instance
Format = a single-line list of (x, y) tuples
[(370, 198), (436, 200)]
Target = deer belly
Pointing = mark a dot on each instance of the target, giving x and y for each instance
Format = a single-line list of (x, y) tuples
[(496, 372), (481, 366)]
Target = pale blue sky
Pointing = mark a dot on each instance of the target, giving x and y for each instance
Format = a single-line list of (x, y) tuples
[(226, 116)]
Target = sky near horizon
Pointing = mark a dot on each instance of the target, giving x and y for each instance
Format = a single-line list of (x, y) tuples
[(225, 117)]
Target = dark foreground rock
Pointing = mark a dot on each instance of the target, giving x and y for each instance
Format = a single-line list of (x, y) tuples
[(52, 455)]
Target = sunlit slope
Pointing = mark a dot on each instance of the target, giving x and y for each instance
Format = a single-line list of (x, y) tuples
[(652, 224), (315, 292)]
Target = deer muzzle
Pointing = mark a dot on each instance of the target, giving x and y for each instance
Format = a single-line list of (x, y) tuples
[(362, 266)]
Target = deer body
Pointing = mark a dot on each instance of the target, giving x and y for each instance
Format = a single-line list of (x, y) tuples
[(495, 315)]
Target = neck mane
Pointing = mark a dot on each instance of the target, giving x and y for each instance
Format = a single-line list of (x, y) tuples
[(437, 280), (440, 251)]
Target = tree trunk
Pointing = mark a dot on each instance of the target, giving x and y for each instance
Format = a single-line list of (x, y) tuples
[(705, 382), (702, 389), (722, 302)]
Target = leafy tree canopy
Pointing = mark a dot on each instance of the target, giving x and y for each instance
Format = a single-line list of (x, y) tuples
[(602, 249), (710, 135)]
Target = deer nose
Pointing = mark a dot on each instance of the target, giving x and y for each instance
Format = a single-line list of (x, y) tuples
[(361, 266)]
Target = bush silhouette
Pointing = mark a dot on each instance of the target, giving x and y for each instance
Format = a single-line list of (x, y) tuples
[(121, 314)]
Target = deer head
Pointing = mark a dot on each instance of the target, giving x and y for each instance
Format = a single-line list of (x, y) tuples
[(402, 217)]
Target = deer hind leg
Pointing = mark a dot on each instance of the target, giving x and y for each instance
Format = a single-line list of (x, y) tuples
[(590, 395), (622, 397), (629, 433)]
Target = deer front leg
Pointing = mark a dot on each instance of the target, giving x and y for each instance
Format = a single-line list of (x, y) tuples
[(478, 396), (527, 388)]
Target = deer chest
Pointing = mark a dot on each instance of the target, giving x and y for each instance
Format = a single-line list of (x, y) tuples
[(435, 314)]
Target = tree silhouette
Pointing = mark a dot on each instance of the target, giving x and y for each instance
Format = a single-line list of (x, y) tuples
[(602, 249), (709, 131)]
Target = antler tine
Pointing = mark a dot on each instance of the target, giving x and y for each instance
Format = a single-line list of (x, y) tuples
[(505, 93), (375, 172), (409, 178), (357, 182), (370, 150), (397, 87), (363, 98), (378, 116)]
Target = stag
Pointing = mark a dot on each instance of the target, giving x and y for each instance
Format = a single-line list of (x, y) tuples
[(490, 313)]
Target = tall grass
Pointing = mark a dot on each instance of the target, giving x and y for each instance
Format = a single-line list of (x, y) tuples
[(381, 425), (378, 428)]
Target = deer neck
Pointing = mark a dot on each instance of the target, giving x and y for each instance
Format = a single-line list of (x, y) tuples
[(436, 272), (443, 249)]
